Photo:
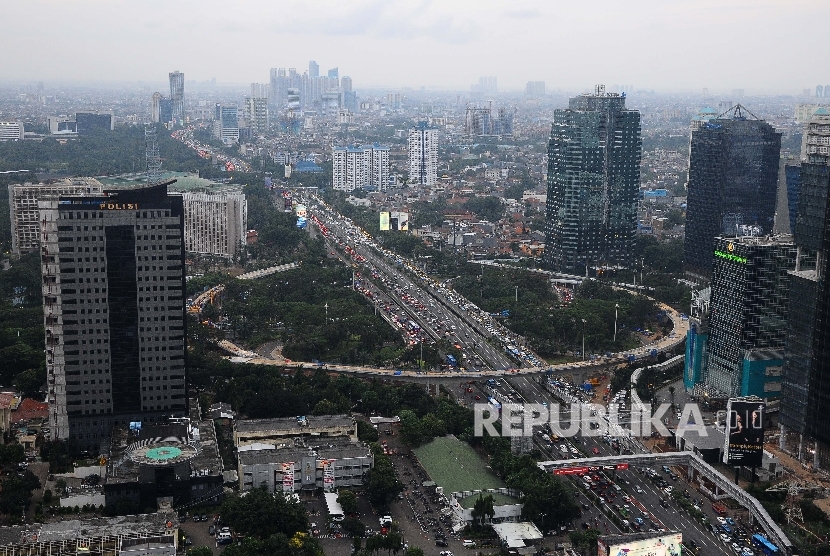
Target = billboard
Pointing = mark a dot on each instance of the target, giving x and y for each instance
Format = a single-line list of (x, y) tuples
[(744, 432), (384, 221), (288, 477), (300, 210), (399, 221), (667, 544)]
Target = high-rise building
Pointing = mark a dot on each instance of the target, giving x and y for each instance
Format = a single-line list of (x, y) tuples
[(733, 180), (360, 167), (11, 131), (422, 149), (155, 110), (748, 315), (177, 96), (593, 183), (226, 123), (334, 73), (24, 212), (256, 113), (114, 311), (279, 87), (87, 123), (215, 224), (535, 89), (488, 85), (805, 393), (313, 69), (346, 84)]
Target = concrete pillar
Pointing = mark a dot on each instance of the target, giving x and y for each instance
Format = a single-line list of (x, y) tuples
[(800, 454), (782, 441)]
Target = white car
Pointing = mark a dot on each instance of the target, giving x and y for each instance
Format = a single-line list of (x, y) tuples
[(721, 520), (638, 490), (725, 538)]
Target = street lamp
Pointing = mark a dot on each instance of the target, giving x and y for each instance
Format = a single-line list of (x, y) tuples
[(583, 339), (616, 309)]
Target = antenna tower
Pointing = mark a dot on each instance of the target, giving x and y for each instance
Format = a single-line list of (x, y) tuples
[(151, 153)]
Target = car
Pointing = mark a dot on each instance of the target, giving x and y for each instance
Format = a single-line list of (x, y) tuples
[(730, 521), (638, 490), (445, 553), (737, 548), (467, 543), (188, 541), (441, 542), (212, 530), (595, 451), (477, 397), (203, 517), (721, 520), (724, 538)]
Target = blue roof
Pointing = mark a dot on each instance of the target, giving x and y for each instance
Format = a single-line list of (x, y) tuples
[(306, 166)]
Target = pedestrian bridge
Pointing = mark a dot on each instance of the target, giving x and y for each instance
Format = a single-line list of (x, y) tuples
[(692, 460)]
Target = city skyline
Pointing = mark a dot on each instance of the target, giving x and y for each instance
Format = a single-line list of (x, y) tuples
[(409, 44)]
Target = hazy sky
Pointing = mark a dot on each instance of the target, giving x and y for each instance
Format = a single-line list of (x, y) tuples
[(763, 46)]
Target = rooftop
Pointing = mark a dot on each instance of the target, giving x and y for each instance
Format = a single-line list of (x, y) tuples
[(515, 535), (89, 527), (291, 423)]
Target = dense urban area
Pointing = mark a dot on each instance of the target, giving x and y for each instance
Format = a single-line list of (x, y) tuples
[(307, 317)]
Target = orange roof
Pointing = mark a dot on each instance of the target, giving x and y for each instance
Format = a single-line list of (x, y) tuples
[(30, 409)]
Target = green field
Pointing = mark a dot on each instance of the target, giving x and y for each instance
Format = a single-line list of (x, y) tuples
[(455, 466)]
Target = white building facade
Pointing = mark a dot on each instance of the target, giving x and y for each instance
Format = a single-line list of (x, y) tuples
[(23, 207), (11, 131), (423, 155), (215, 224), (360, 167)]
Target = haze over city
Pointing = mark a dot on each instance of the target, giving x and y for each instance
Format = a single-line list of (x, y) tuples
[(762, 46)]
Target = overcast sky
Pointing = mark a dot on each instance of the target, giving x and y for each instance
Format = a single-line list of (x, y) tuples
[(762, 46)]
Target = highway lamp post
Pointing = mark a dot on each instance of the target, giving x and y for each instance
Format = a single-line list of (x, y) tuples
[(327, 311), (616, 309), (583, 339)]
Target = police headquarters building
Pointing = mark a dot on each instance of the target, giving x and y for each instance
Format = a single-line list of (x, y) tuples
[(114, 312)]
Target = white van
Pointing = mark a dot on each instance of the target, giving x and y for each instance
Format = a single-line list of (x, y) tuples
[(466, 543)]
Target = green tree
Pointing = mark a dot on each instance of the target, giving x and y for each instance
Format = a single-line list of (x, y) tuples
[(411, 428), (354, 527), (381, 484), (414, 551), (200, 551), (347, 500), (261, 514), (482, 509)]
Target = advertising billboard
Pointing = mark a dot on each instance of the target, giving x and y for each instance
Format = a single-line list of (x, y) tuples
[(744, 432), (300, 210), (384, 221), (399, 221), (666, 544), (288, 477)]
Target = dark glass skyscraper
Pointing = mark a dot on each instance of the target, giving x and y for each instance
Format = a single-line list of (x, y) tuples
[(806, 386), (113, 302), (733, 181), (593, 183)]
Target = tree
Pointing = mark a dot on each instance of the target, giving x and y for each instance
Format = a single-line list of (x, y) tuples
[(11, 454), (414, 551), (29, 381), (200, 551), (381, 484), (348, 501), (17, 492), (411, 428), (483, 508), (366, 432), (354, 527), (260, 514)]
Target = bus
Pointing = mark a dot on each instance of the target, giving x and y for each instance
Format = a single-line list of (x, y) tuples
[(413, 326), (495, 405), (762, 545)]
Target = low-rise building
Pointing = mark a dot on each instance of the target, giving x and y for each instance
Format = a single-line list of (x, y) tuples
[(307, 463), (275, 431), (155, 534), (519, 538)]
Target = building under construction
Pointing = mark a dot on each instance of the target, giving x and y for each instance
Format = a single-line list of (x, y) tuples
[(805, 394)]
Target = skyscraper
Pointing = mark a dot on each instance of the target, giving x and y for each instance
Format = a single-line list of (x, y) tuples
[(114, 312), (748, 319), (177, 96), (593, 183), (256, 108), (360, 167), (805, 392), (226, 123), (422, 148), (279, 86), (733, 180), (313, 69)]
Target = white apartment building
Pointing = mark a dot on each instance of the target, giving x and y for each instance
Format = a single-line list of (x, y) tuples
[(215, 224), (360, 167), (23, 207), (11, 131), (423, 155), (256, 113)]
